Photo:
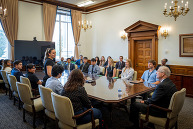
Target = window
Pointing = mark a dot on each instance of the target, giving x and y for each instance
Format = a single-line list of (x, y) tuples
[(63, 35), (3, 44)]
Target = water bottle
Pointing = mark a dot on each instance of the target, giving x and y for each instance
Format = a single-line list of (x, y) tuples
[(119, 93)]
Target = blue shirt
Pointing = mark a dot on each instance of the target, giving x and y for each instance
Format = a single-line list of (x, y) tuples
[(150, 77), (61, 63), (79, 62), (17, 73), (94, 69), (54, 84)]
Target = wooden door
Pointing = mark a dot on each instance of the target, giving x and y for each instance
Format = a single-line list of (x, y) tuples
[(143, 53)]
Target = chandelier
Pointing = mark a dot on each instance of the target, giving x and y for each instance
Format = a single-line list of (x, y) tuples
[(3, 13), (85, 25), (175, 10)]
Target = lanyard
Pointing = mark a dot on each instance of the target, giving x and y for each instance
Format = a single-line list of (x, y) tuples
[(149, 75)]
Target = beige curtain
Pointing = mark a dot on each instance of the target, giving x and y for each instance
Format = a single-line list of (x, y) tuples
[(76, 17), (10, 23), (49, 13)]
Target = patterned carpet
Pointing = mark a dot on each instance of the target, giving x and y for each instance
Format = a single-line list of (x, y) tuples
[(11, 117)]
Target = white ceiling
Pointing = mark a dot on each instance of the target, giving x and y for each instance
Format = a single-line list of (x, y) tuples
[(79, 1)]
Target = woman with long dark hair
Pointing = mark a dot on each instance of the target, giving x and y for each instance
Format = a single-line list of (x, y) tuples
[(74, 90), (97, 60), (49, 62)]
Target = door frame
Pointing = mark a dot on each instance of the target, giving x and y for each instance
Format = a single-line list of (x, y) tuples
[(142, 31), (131, 46)]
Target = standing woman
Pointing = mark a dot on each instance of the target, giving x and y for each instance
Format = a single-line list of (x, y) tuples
[(102, 61), (50, 54), (75, 91), (127, 71), (97, 60), (7, 66), (111, 70)]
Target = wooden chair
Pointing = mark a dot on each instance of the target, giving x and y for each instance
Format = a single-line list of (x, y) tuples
[(7, 86), (135, 76), (12, 82), (176, 104), (27, 81), (30, 104), (45, 94), (65, 114)]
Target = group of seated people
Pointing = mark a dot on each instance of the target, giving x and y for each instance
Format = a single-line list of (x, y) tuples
[(74, 87)]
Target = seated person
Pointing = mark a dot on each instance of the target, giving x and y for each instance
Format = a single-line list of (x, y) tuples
[(69, 66), (72, 59), (32, 77), (16, 70), (149, 76), (7, 66), (79, 61), (111, 70), (1, 66), (102, 61), (35, 60), (84, 67), (120, 65), (161, 97), (163, 61), (93, 68), (53, 82), (128, 71), (75, 91), (106, 63), (97, 60), (23, 61), (61, 62)]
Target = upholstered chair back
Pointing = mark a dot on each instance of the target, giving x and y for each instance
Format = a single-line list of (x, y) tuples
[(63, 109), (135, 76), (25, 93), (12, 82), (45, 94), (176, 103), (4, 76), (25, 81)]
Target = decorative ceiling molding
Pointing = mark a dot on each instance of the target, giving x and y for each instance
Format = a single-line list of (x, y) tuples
[(90, 9)]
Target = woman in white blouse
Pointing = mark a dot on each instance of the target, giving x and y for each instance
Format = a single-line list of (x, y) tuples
[(127, 71), (7, 66)]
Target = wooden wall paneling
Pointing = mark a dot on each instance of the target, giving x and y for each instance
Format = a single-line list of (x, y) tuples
[(187, 83), (177, 80)]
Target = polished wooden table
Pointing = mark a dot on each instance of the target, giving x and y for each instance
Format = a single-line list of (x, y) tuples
[(106, 89)]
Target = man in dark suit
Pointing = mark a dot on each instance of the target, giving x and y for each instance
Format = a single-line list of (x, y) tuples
[(120, 65), (161, 97), (84, 67), (69, 66)]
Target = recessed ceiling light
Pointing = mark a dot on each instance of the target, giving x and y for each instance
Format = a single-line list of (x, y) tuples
[(85, 3)]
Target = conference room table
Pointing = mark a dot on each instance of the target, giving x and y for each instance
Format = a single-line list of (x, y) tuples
[(110, 90)]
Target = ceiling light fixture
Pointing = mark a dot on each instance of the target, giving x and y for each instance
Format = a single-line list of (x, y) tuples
[(88, 2)]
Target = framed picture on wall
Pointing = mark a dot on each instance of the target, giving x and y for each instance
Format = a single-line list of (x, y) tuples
[(186, 45)]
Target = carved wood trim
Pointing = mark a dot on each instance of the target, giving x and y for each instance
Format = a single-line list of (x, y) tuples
[(90, 9), (142, 31)]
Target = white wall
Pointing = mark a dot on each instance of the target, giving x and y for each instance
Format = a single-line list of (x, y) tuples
[(104, 38), (30, 21)]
